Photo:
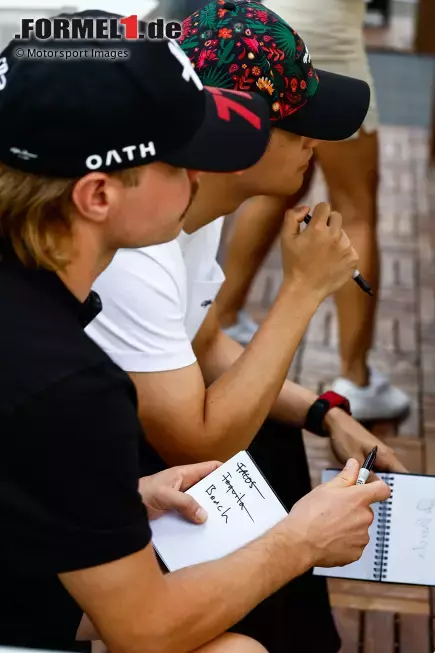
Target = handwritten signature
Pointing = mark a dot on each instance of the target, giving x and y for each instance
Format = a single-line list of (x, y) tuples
[(426, 506)]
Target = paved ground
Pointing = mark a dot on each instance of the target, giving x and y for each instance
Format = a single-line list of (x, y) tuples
[(372, 617)]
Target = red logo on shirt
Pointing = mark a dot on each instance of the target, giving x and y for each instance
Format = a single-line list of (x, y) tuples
[(225, 105)]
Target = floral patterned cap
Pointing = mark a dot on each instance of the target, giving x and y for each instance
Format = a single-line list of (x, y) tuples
[(243, 45)]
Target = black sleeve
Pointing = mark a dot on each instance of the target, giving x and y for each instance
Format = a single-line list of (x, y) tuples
[(70, 494)]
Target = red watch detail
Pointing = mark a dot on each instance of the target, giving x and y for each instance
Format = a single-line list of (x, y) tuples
[(336, 401)]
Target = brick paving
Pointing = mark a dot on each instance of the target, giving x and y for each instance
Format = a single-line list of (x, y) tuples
[(404, 348)]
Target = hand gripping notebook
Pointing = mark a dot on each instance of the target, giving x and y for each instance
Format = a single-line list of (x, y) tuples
[(241, 506), (402, 536)]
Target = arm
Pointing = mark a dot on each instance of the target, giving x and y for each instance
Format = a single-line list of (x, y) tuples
[(216, 353), (93, 532), (136, 608), (185, 421)]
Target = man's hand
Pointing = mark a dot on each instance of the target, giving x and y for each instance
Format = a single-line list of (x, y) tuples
[(321, 259), (333, 520), (166, 491), (351, 440)]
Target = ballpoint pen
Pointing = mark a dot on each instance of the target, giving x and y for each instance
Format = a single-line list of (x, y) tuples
[(362, 283), (365, 470)]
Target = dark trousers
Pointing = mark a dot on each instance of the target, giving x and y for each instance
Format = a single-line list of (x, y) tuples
[(298, 617)]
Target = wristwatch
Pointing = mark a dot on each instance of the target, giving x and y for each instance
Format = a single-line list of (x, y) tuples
[(323, 404)]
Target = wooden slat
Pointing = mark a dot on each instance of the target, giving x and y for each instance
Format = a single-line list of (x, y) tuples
[(432, 610), (414, 633), (348, 625), (379, 632), (424, 41), (382, 597), (430, 453)]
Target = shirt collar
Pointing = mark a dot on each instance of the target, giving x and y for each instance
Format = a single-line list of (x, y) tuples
[(85, 311)]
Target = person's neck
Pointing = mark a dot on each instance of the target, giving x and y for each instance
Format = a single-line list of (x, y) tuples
[(218, 194), (88, 261)]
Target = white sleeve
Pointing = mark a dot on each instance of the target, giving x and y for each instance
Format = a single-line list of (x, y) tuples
[(142, 324)]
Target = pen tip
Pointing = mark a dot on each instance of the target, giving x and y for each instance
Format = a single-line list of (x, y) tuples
[(374, 450)]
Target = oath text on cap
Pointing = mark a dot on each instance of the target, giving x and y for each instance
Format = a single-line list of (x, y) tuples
[(96, 161)]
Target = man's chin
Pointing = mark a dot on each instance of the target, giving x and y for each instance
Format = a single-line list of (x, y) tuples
[(167, 237), (295, 184)]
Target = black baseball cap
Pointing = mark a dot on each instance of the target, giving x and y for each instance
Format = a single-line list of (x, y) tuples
[(244, 45), (67, 117)]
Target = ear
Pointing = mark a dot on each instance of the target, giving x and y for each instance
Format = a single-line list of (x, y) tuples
[(96, 194)]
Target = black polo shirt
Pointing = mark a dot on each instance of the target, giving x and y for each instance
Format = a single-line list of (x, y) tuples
[(69, 456)]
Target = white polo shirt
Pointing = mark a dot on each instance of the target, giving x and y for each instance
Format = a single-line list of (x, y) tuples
[(155, 300)]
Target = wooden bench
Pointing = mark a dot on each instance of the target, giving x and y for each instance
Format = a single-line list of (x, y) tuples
[(379, 617)]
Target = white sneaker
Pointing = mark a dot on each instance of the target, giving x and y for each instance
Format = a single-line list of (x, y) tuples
[(379, 400), (243, 330)]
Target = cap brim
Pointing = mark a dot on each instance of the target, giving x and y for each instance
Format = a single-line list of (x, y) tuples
[(335, 112), (233, 136)]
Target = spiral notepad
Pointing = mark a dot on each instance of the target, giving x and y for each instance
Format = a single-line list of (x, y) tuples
[(402, 536)]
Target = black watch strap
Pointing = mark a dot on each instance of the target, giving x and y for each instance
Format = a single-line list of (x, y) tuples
[(315, 416), (318, 410)]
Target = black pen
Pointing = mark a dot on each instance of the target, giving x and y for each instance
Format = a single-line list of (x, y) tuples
[(365, 470), (362, 283)]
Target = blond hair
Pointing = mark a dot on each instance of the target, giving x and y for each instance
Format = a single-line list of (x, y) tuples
[(35, 214)]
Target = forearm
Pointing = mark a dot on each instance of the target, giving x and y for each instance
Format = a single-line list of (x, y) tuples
[(197, 598), (293, 404), (293, 400), (238, 402)]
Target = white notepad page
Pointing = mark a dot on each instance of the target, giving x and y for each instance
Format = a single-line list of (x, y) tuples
[(409, 547), (411, 553), (241, 506)]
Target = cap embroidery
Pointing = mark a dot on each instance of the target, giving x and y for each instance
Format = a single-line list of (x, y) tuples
[(3, 70), (23, 154), (96, 161)]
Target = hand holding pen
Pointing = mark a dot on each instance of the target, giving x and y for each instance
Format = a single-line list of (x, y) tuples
[(359, 280), (318, 260)]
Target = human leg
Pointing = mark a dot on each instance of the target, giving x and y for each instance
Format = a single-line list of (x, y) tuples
[(351, 172)]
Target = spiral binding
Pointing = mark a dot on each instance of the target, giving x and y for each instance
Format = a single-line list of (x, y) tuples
[(380, 568)]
